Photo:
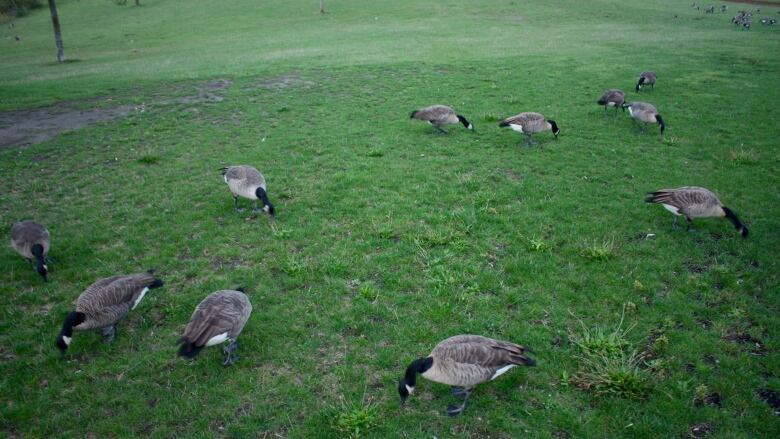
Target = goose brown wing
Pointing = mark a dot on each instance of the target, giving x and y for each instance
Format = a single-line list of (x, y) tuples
[(434, 113), (25, 234), (480, 351), (218, 313), (685, 197), (109, 299)]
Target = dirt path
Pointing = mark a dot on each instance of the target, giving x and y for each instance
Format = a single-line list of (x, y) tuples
[(31, 126)]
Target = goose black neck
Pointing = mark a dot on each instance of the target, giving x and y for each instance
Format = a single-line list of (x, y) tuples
[(419, 365), (660, 122), (74, 318), (465, 122), (639, 84), (260, 192), (554, 127), (734, 220)]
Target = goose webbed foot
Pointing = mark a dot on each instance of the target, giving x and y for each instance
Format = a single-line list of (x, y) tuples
[(109, 333), (230, 353), (455, 410)]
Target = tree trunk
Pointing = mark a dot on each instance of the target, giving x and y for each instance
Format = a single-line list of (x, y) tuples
[(322, 6), (55, 21)]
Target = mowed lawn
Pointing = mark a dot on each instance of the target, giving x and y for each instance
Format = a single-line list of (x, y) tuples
[(390, 237)]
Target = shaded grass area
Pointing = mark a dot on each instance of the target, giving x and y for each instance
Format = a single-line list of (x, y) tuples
[(390, 237)]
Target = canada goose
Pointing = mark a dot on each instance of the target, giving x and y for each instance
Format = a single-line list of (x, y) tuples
[(463, 361), (646, 78), (746, 25), (694, 202), (644, 112), (612, 98), (438, 115), (248, 182), (723, 8), (220, 317), (32, 241), (530, 123), (709, 10), (104, 303)]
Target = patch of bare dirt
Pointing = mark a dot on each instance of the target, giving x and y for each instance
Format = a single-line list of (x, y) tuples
[(772, 398), (285, 81), (700, 430), (711, 399), (30, 126), (757, 346)]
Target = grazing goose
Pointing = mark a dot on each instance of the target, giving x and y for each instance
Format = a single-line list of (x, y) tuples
[(248, 182), (463, 361), (530, 123), (104, 303), (612, 98), (644, 112), (220, 317), (709, 9), (646, 78), (723, 9), (32, 241), (694, 202), (438, 115)]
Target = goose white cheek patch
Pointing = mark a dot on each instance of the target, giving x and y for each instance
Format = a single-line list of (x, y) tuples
[(66, 339), (409, 389)]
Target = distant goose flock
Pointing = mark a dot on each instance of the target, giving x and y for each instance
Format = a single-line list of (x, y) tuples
[(462, 361)]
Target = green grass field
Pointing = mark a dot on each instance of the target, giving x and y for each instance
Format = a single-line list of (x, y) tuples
[(390, 237)]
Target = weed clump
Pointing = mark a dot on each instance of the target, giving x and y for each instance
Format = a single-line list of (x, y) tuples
[(609, 365), (599, 251), (355, 419)]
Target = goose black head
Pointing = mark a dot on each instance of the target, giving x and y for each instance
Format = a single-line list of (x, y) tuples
[(407, 383), (43, 270), (465, 123), (554, 127), (73, 318), (40, 259), (267, 206)]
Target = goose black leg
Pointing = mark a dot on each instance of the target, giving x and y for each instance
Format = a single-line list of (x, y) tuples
[(109, 333), (674, 223), (689, 228), (230, 352), (460, 391), (440, 129), (256, 208), (235, 203), (529, 141), (455, 410)]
